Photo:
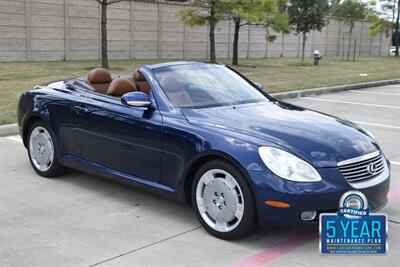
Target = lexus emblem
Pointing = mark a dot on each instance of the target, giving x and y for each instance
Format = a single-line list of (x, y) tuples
[(371, 168)]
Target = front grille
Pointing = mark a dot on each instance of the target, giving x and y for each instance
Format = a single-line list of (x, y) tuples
[(363, 169)]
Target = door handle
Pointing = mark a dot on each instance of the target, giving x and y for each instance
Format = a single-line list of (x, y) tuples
[(81, 109)]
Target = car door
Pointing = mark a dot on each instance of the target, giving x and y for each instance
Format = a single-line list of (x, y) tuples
[(119, 137)]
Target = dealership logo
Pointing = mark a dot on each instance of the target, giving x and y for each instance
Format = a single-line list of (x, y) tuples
[(353, 230), (371, 168)]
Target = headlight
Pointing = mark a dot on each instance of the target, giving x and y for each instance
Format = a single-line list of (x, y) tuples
[(287, 166)]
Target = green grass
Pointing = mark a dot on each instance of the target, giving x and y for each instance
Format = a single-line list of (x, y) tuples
[(277, 75), (280, 75)]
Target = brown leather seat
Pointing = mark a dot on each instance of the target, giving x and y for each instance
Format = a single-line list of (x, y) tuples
[(141, 82), (99, 79), (121, 86)]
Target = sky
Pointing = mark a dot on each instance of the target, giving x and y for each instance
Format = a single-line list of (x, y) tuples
[(379, 8)]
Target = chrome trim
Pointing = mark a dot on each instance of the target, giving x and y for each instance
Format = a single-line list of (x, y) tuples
[(139, 103), (360, 169), (373, 181), (357, 159)]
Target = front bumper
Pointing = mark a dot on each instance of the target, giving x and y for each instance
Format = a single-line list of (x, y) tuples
[(320, 197)]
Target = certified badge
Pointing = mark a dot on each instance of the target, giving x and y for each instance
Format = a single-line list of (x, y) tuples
[(353, 230), (353, 205)]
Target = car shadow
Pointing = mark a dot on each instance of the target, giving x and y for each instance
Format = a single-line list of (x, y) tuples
[(124, 193), (160, 210)]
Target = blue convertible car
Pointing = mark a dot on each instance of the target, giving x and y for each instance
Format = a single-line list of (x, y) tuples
[(206, 135)]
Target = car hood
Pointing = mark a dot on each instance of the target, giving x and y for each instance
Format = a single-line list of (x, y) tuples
[(318, 138)]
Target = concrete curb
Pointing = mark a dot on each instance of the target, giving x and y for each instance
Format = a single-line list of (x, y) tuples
[(12, 129), (8, 129), (332, 89)]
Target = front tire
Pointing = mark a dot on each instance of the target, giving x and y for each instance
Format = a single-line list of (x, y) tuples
[(223, 201), (42, 151)]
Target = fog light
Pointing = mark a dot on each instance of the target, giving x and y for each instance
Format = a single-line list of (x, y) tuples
[(308, 215)]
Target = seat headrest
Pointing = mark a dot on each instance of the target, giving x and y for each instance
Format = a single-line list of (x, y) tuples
[(138, 76), (121, 86), (99, 76)]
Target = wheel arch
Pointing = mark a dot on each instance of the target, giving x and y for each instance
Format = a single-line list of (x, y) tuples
[(29, 121), (199, 161)]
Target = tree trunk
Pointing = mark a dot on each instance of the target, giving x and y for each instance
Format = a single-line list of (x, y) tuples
[(104, 49), (235, 56), (303, 50), (212, 30), (397, 32), (348, 48)]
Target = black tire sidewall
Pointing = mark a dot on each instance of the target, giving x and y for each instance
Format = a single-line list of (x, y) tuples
[(248, 223), (56, 168)]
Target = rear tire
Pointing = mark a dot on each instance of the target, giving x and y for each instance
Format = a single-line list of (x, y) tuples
[(42, 151), (223, 201)]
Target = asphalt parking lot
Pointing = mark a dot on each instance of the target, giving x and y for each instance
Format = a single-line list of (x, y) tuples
[(83, 220)]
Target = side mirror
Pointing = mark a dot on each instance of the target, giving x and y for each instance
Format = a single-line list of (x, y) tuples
[(136, 99), (259, 86)]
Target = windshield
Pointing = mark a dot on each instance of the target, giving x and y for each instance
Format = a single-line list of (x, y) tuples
[(205, 85)]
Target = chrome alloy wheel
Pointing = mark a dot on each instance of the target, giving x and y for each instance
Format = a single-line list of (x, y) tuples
[(41, 149), (220, 200)]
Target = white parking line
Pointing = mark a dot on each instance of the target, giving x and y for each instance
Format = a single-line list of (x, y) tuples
[(377, 125), (395, 162), (375, 93), (15, 138), (349, 102)]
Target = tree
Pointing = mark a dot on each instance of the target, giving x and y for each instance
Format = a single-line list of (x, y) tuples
[(255, 12), (397, 30), (306, 16), (350, 11), (196, 15), (378, 25), (213, 22), (388, 17), (104, 47)]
